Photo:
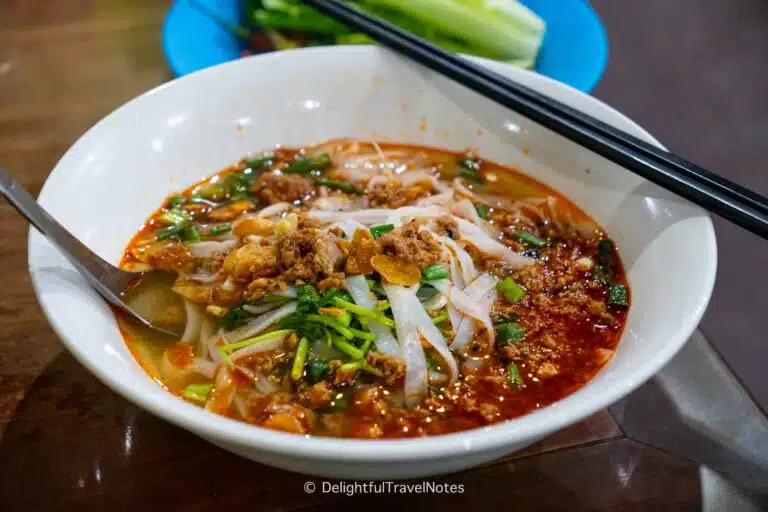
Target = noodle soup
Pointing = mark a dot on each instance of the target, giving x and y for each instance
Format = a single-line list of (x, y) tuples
[(355, 289)]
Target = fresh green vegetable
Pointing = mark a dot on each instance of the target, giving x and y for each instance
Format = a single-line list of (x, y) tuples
[(435, 272), (333, 324), (360, 365), (362, 312), (220, 229), (344, 186), (377, 231), (513, 376), (197, 392), (257, 163), (440, 317), (426, 292), (602, 274), (317, 371), (509, 333), (297, 370), (308, 165), (618, 296), (482, 210), (469, 169), (234, 318), (272, 335), (498, 29), (170, 232), (605, 253), (175, 202), (432, 364), (347, 348), (531, 240), (191, 233), (512, 291), (363, 335), (309, 299), (173, 217)]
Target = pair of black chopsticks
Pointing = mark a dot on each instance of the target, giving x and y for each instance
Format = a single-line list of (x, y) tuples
[(715, 193)]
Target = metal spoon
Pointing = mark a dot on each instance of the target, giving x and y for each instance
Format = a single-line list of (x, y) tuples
[(109, 281)]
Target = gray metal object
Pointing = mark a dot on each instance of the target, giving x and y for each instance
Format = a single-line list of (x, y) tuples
[(108, 280)]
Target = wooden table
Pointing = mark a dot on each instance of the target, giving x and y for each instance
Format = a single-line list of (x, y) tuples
[(67, 442)]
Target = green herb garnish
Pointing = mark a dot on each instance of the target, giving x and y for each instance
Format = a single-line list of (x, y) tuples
[(435, 272), (512, 291), (513, 376), (530, 239), (377, 231), (509, 333), (344, 186), (308, 165), (618, 296)]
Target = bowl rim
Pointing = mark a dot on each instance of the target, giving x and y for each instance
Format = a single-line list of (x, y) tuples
[(529, 427)]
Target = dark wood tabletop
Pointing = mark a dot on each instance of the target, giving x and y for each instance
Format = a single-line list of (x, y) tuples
[(68, 443)]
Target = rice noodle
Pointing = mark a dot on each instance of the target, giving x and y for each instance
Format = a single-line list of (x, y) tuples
[(408, 336), (465, 305), (333, 204), (481, 291), (468, 270), (201, 276), (431, 333), (194, 322), (204, 367), (207, 329), (257, 348), (464, 208), (485, 243), (409, 178), (209, 248), (443, 198), (274, 209), (375, 216), (361, 294), (260, 323), (380, 178), (212, 345)]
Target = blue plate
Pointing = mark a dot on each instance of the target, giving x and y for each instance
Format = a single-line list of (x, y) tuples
[(575, 49)]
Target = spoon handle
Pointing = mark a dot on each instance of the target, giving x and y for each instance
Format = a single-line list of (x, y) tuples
[(92, 267)]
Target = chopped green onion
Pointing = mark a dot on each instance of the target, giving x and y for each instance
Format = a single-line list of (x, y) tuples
[(234, 318), (602, 274), (377, 231), (258, 162), (530, 239), (220, 229), (297, 370), (173, 217), (308, 166), (169, 232), (482, 211), (191, 233), (618, 296), (347, 348), (440, 318), (426, 292), (435, 272), (175, 202), (605, 253), (317, 371), (363, 335), (362, 312), (509, 333), (360, 365), (197, 392), (333, 324), (513, 376), (282, 333), (469, 169), (344, 186), (432, 364), (512, 291)]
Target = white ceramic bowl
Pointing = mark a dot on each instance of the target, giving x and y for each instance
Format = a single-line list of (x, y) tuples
[(120, 171)]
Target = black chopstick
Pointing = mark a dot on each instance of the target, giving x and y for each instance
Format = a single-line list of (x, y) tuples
[(719, 195)]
